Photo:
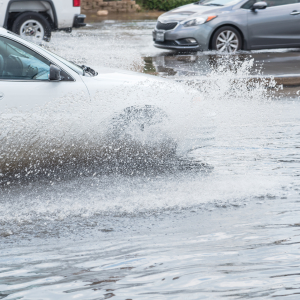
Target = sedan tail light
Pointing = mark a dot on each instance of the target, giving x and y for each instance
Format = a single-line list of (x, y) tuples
[(76, 2)]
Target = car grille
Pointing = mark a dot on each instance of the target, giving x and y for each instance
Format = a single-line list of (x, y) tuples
[(167, 43), (167, 26)]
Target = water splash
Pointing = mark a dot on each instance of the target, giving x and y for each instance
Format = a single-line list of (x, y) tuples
[(71, 147), (73, 131)]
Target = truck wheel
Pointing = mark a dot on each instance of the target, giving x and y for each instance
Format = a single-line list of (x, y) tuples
[(32, 25), (227, 40)]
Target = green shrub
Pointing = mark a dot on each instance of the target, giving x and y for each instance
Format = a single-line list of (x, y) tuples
[(164, 5)]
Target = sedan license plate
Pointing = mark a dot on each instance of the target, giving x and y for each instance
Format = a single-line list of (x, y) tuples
[(160, 36)]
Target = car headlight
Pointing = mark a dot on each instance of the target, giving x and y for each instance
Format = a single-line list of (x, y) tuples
[(197, 21)]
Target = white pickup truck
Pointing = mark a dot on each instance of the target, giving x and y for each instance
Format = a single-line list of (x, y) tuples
[(38, 18)]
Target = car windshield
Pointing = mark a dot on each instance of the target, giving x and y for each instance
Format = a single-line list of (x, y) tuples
[(218, 2)]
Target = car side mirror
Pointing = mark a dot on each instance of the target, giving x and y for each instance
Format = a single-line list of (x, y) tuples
[(54, 73), (259, 5)]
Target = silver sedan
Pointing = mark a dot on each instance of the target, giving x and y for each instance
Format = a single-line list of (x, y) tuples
[(230, 25)]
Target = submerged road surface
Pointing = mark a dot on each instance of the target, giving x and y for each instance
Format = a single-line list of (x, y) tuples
[(219, 219)]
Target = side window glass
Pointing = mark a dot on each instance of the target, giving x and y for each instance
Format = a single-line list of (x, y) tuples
[(270, 3), (280, 2), (248, 4), (20, 63)]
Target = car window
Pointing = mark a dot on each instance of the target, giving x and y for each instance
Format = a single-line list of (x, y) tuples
[(270, 3), (69, 64), (20, 63), (248, 4), (76, 68)]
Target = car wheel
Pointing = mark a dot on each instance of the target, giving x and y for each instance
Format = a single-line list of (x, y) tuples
[(137, 118), (137, 121), (32, 25), (227, 40)]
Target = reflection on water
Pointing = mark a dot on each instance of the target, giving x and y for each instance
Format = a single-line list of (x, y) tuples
[(200, 64)]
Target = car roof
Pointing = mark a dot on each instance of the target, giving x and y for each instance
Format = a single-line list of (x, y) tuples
[(5, 32)]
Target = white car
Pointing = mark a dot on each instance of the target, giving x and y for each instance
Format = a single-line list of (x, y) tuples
[(40, 17), (31, 76), (36, 83)]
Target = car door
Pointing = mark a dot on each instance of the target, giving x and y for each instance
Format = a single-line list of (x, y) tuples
[(276, 26), (24, 78)]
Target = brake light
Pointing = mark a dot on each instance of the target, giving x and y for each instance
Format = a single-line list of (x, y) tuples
[(76, 2)]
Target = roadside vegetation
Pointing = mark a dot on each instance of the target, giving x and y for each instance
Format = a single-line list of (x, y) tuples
[(164, 5)]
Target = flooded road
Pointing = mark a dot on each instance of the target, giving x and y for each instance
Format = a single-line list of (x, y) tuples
[(218, 219), (136, 35)]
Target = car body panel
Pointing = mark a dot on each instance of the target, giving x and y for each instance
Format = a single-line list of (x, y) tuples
[(38, 93), (3, 6), (63, 14), (181, 13), (274, 27)]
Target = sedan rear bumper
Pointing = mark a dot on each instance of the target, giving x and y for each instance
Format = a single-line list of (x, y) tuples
[(79, 21), (176, 47)]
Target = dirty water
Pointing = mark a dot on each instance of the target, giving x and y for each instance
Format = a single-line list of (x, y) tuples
[(220, 219)]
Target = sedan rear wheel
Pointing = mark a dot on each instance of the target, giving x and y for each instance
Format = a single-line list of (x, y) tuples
[(227, 40)]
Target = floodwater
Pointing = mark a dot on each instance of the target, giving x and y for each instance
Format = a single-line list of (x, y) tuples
[(218, 219)]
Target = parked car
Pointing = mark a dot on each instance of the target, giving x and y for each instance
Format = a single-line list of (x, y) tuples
[(230, 25), (40, 17)]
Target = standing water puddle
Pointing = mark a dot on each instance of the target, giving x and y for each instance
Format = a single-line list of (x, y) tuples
[(220, 219)]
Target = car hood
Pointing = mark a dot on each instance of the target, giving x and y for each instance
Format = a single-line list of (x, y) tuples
[(131, 88), (108, 78), (186, 12), (121, 76)]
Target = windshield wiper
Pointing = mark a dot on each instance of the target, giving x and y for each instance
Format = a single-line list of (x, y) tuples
[(89, 70), (212, 4)]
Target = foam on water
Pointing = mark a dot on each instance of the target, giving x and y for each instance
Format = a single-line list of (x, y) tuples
[(95, 196)]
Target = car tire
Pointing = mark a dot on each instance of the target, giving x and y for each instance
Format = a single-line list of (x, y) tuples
[(137, 119), (32, 24), (227, 39)]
